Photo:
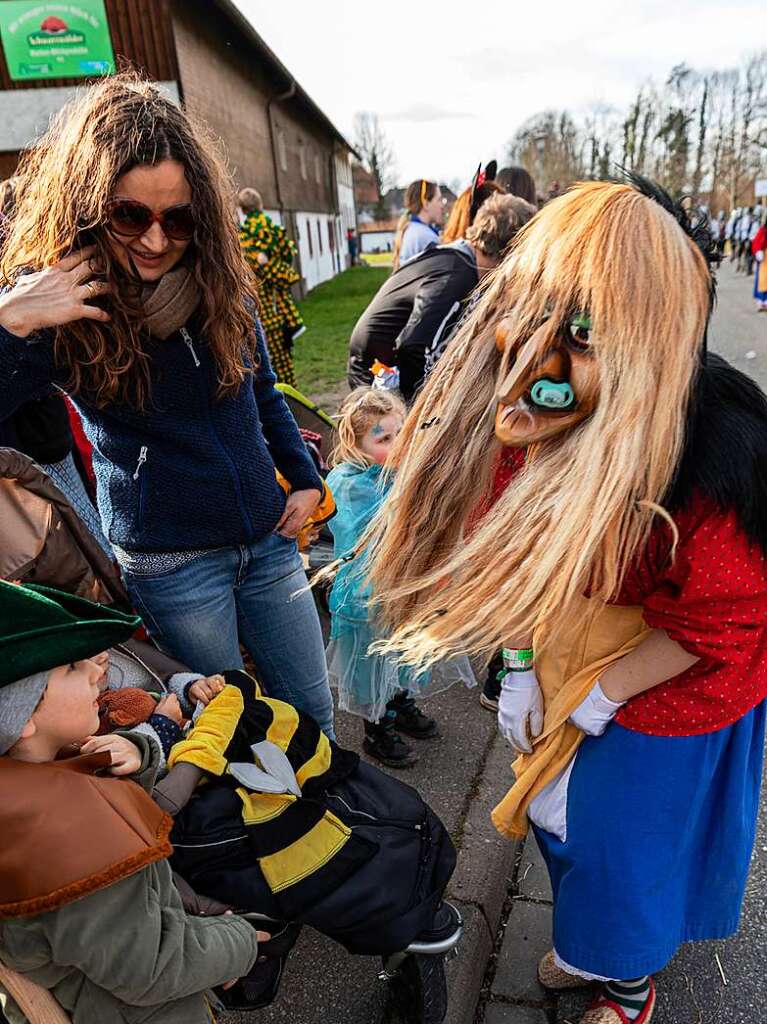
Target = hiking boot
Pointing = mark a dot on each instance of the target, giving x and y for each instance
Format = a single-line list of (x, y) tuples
[(410, 719), (385, 745)]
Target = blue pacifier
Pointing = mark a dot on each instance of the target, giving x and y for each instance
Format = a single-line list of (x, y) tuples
[(552, 394)]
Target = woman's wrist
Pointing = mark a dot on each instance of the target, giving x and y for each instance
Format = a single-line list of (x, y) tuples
[(10, 319), (612, 689)]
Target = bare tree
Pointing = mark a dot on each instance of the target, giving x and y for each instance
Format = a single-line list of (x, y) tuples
[(548, 145), (376, 152), (700, 152), (699, 135)]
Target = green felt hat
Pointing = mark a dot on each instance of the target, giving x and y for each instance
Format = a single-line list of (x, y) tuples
[(42, 628)]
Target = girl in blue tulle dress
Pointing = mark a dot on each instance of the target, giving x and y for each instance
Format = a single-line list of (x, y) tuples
[(373, 685)]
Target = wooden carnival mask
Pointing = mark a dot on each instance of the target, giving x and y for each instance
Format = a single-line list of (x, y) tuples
[(551, 383)]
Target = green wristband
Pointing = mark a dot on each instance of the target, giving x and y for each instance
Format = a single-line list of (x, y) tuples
[(518, 660)]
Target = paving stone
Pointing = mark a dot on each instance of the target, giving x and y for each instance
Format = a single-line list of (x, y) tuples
[(533, 874), (527, 938), (486, 859), (573, 1004), (503, 1013)]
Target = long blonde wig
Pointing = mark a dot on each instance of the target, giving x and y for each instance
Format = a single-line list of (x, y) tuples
[(582, 509)]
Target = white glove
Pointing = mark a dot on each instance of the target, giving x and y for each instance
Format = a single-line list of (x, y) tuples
[(520, 709), (595, 713), (759, 256)]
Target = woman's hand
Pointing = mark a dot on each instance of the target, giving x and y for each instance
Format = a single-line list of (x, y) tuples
[(520, 709), (298, 508), (595, 712), (57, 295), (126, 756)]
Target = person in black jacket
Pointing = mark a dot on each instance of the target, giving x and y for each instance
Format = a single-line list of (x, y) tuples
[(417, 307)]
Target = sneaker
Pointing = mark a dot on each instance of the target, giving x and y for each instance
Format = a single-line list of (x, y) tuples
[(410, 719), (488, 702), (385, 745), (492, 688)]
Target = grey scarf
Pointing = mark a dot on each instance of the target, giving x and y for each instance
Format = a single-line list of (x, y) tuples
[(169, 304)]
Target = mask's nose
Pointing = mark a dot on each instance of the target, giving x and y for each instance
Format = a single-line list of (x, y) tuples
[(542, 368)]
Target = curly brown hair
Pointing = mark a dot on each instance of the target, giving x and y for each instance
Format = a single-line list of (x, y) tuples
[(68, 178)]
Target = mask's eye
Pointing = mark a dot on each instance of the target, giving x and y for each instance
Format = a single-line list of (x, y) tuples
[(579, 333)]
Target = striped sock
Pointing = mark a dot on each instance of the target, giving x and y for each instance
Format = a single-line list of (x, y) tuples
[(631, 996)]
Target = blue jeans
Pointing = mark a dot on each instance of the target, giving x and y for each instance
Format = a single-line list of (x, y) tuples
[(199, 613)]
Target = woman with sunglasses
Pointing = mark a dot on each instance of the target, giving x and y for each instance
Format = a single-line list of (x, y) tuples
[(125, 287)]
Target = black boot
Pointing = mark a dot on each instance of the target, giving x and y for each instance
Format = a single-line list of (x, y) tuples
[(492, 688), (385, 745), (410, 719)]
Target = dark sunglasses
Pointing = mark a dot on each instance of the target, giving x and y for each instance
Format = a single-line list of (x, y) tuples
[(130, 218)]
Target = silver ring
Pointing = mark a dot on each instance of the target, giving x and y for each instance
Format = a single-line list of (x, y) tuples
[(89, 286)]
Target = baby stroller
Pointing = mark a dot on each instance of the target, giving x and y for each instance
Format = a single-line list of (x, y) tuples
[(319, 433), (357, 897)]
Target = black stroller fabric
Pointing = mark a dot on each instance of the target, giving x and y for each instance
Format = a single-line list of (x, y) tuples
[(374, 897)]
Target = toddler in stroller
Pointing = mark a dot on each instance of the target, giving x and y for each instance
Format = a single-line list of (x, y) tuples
[(281, 824)]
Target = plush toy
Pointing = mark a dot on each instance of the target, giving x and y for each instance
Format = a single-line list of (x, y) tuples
[(122, 709)]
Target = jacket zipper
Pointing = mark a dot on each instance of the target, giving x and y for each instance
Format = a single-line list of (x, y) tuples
[(393, 822), (205, 846), (142, 457), (190, 345)]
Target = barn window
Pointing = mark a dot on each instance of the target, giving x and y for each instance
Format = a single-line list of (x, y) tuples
[(302, 159)]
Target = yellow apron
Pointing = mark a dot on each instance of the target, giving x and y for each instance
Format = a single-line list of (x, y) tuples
[(762, 279), (567, 669)]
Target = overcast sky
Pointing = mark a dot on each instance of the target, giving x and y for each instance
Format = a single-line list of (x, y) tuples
[(452, 81)]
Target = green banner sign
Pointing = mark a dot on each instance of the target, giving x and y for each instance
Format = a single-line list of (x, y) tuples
[(55, 40)]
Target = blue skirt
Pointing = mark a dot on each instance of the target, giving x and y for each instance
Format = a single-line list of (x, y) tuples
[(660, 832)]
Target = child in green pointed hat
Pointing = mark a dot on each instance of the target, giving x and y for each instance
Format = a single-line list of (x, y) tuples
[(97, 919)]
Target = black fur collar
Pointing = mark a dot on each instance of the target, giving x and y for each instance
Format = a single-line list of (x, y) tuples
[(725, 455)]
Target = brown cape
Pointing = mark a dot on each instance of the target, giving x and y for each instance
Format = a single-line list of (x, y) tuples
[(69, 831)]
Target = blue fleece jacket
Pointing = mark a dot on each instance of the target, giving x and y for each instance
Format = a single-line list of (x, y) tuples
[(192, 470)]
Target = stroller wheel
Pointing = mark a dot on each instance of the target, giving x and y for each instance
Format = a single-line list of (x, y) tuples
[(419, 989)]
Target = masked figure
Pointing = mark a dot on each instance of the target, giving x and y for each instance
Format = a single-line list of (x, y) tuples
[(622, 569)]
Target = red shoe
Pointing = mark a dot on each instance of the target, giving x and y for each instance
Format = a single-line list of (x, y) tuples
[(605, 1011)]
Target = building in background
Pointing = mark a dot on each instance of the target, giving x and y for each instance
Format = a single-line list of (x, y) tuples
[(377, 235), (209, 57)]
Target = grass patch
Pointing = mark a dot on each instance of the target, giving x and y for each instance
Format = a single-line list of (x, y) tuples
[(331, 310), (377, 259)]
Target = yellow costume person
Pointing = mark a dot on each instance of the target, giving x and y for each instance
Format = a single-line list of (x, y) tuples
[(270, 253)]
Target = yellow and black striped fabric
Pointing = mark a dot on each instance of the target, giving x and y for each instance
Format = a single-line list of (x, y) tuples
[(297, 840)]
